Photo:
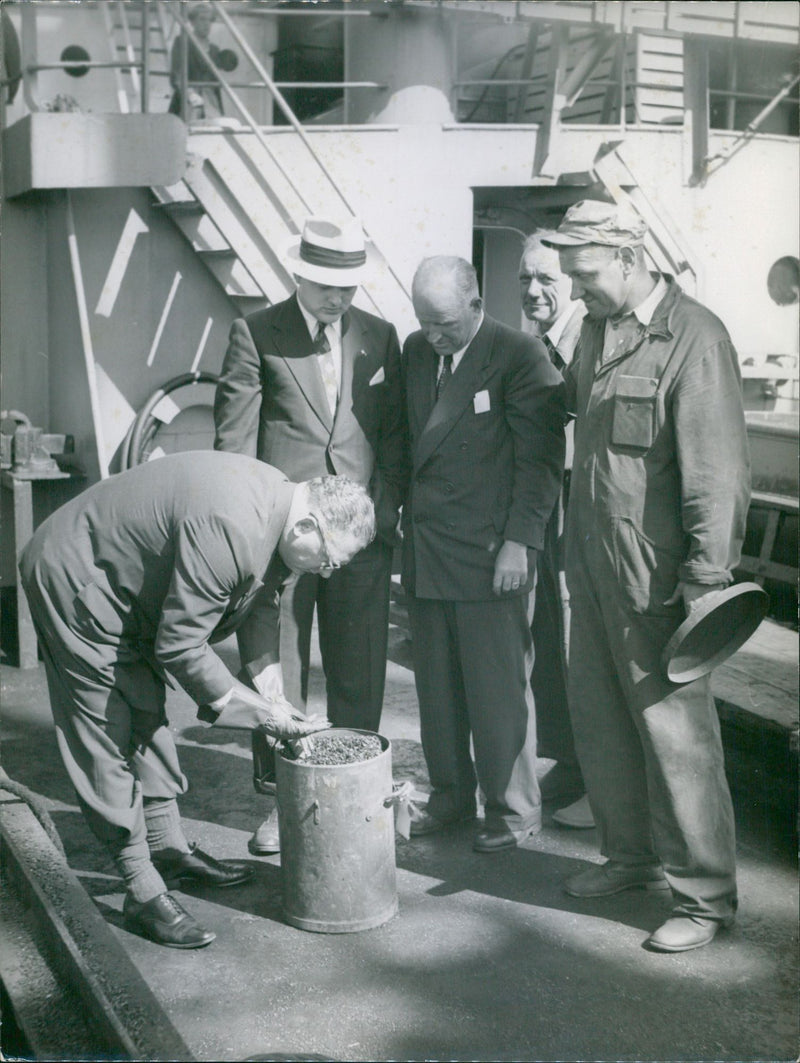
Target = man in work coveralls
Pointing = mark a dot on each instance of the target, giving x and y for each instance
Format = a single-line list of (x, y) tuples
[(658, 503), (128, 584)]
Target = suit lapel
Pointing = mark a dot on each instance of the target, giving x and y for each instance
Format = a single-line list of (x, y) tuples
[(293, 344), (459, 393)]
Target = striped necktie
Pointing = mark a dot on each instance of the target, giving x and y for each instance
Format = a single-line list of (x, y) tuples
[(445, 372), (555, 357)]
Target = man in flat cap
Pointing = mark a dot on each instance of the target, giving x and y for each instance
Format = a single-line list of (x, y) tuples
[(657, 509), (128, 585), (312, 386)]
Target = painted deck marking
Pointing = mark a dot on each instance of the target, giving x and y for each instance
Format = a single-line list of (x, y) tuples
[(119, 263), (164, 315)]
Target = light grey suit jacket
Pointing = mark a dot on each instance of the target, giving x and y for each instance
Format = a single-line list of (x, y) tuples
[(157, 562)]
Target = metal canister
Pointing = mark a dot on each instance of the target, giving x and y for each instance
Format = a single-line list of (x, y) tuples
[(337, 842)]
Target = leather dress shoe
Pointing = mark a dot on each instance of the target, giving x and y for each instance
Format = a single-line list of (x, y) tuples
[(683, 932), (164, 921), (428, 824), (197, 866), (496, 839), (267, 838), (603, 880)]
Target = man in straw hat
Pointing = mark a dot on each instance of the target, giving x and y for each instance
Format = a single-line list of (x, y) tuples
[(312, 386), (657, 509)]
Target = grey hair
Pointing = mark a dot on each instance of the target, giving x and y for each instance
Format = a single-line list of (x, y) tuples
[(446, 271), (343, 507)]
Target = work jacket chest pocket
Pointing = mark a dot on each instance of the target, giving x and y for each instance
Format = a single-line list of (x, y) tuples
[(634, 412)]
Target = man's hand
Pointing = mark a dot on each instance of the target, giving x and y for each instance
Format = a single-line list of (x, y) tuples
[(692, 593), (510, 567), (246, 709)]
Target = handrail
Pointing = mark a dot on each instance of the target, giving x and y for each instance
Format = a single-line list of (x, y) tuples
[(250, 120), (298, 128)]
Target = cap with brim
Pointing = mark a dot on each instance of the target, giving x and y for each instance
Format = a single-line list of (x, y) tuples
[(593, 222), (719, 624), (329, 253)]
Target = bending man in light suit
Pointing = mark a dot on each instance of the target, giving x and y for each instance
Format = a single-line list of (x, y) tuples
[(128, 585)]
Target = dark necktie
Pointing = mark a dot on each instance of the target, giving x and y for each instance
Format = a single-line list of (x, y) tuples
[(445, 373), (322, 349), (555, 357)]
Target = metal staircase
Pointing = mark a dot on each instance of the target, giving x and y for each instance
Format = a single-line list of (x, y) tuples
[(665, 245), (237, 204)]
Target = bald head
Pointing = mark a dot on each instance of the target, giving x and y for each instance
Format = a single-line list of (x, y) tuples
[(447, 302)]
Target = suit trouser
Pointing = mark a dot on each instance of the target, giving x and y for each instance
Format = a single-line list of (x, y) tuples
[(550, 639), (650, 750), (117, 755), (472, 661), (353, 617), (108, 706)]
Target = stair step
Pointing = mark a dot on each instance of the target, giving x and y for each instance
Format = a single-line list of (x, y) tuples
[(250, 304), (221, 254), (181, 206)]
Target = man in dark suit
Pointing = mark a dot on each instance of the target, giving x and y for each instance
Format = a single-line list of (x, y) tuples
[(128, 584), (312, 386), (556, 319), (486, 420)]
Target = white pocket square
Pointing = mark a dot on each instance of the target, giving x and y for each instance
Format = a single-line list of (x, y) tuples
[(378, 378)]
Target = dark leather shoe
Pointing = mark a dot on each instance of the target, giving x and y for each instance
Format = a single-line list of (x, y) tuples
[(197, 866), (428, 824), (164, 921), (603, 880), (683, 932), (495, 839)]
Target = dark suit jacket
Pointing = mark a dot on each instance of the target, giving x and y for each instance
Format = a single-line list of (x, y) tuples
[(487, 460), (157, 562), (271, 403)]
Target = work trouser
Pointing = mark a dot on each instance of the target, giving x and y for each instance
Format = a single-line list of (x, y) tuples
[(650, 750)]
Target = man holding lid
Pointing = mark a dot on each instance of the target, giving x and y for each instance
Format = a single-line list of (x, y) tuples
[(657, 508), (312, 386)]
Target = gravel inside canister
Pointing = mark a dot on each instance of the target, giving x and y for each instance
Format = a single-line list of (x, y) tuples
[(339, 748)]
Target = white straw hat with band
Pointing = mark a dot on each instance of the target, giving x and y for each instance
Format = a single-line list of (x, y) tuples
[(329, 253)]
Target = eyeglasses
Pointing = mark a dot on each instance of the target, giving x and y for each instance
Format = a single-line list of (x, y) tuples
[(327, 564)]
